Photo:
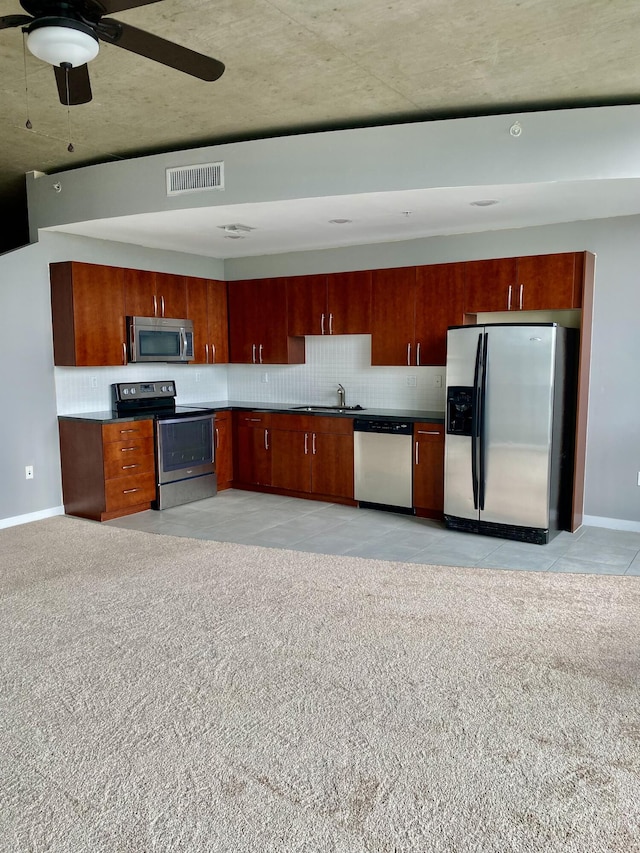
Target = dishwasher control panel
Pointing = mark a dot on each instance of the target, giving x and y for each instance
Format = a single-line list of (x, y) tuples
[(394, 427)]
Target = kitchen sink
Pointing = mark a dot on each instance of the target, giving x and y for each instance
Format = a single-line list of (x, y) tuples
[(339, 409)]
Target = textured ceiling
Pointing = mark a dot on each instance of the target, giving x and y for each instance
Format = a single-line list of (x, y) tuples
[(295, 65)]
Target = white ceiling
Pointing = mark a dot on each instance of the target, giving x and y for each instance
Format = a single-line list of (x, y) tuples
[(303, 224)]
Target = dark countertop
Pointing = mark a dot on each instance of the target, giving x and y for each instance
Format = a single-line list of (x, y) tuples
[(411, 415)]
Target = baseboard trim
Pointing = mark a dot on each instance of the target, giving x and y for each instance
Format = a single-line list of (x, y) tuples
[(611, 523), (31, 516)]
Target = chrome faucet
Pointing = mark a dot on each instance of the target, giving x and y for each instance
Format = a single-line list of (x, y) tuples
[(340, 396)]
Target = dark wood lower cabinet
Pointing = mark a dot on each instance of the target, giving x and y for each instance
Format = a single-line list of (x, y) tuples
[(108, 470), (224, 450), (428, 469)]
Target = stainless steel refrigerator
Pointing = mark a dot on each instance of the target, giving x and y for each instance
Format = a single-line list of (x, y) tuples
[(510, 416)]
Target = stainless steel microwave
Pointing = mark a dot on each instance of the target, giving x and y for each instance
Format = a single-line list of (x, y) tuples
[(160, 339)]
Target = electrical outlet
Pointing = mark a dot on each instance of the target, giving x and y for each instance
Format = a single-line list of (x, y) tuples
[(411, 381), (94, 381), (438, 381), (198, 376), (28, 472), (265, 377)]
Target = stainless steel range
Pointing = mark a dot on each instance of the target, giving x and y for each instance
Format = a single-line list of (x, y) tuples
[(184, 440)]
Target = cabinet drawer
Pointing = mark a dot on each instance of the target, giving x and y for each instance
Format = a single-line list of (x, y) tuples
[(428, 432), (253, 419), (123, 492), (124, 466), (127, 452), (128, 429), (312, 423)]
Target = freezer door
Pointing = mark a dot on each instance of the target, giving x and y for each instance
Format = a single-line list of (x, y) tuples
[(518, 415), (460, 497)]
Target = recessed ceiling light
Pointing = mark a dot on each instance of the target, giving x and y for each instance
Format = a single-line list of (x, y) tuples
[(340, 221), (484, 202)]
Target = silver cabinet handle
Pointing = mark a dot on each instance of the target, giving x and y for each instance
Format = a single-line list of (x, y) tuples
[(322, 324), (162, 306), (428, 432), (313, 444), (217, 438), (213, 353), (135, 465), (206, 350), (418, 354), (155, 305), (128, 449), (306, 443), (409, 355), (124, 352), (254, 420), (123, 431), (266, 439), (417, 453), (509, 298), (253, 351), (128, 491), (330, 324), (260, 353), (521, 296)]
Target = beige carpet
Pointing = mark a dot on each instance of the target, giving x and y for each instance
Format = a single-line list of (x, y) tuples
[(167, 694)]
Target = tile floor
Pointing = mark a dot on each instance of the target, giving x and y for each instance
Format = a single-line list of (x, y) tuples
[(252, 518)]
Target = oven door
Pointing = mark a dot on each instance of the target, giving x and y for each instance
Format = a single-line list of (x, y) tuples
[(185, 448)]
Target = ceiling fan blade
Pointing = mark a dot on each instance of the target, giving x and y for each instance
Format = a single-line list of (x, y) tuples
[(79, 87), (8, 21), (108, 7), (159, 49)]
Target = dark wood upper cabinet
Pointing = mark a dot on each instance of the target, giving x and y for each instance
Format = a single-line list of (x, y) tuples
[(334, 304), (439, 304), (87, 306), (529, 283), (207, 308), (393, 316), (258, 329), (155, 294)]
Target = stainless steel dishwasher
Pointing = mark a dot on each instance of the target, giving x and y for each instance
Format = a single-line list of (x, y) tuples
[(383, 464)]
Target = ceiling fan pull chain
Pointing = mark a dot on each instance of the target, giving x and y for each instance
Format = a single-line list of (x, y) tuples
[(27, 123), (66, 67)]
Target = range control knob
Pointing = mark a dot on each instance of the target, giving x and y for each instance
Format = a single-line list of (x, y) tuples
[(133, 390), (125, 390)]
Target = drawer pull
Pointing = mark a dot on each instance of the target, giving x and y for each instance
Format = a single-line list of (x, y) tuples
[(135, 465), (128, 491), (254, 420), (428, 432), (128, 449), (123, 431)]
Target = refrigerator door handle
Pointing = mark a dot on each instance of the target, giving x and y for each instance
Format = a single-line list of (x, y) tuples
[(481, 422), (475, 422)]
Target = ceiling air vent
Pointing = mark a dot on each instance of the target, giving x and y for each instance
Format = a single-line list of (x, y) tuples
[(190, 179)]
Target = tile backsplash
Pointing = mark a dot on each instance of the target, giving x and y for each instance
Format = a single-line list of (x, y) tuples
[(341, 359)]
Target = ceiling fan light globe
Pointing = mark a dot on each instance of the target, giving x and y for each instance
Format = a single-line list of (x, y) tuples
[(58, 45)]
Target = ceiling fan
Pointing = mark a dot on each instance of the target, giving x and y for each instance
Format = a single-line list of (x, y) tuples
[(66, 33)]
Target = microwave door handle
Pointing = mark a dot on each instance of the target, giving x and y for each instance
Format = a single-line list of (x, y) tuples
[(183, 337)]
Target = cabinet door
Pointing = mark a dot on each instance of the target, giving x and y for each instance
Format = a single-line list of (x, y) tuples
[(273, 339), (349, 303), (253, 456), (244, 320), (332, 469), (549, 281), (490, 286), (393, 316), (428, 468), (171, 293), (140, 293), (218, 322), (197, 311), (439, 304), (87, 307), (224, 450), (291, 460), (307, 305)]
